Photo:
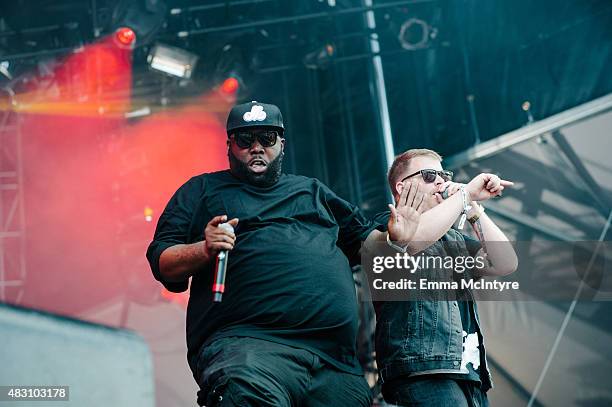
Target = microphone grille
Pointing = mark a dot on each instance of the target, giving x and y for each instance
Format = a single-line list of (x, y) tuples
[(227, 227)]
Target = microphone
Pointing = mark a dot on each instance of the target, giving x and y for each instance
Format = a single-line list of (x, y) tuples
[(221, 267), (444, 194)]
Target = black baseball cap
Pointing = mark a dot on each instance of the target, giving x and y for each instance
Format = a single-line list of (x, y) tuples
[(254, 114)]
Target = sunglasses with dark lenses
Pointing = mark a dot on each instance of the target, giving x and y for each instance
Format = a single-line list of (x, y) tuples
[(429, 175), (245, 139)]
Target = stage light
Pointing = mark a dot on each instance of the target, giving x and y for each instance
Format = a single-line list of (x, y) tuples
[(416, 34), (148, 213), (230, 86), (320, 58), (125, 37), (144, 17), (144, 111), (173, 61), (4, 69), (526, 105)]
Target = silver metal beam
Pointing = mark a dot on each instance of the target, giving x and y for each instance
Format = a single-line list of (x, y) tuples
[(530, 222), (296, 18), (494, 146), (381, 90)]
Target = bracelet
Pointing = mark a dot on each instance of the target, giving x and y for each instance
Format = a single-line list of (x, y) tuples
[(476, 216), (466, 208), (396, 247)]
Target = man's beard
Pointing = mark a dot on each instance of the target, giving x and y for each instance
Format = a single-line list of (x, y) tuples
[(269, 177)]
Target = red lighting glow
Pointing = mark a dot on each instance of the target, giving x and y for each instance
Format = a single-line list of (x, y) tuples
[(125, 36), (110, 171), (230, 86)]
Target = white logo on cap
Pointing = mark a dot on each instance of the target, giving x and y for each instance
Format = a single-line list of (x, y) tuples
[(256, 114)]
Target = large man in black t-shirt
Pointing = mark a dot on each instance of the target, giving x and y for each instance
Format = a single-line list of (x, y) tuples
[(285, 331)]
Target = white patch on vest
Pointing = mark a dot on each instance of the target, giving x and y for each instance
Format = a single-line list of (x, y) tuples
[(256, 114), (471, 353)]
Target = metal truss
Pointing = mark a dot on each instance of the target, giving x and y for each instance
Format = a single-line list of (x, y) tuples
[(12, 213), (592, 195), (550, 124)]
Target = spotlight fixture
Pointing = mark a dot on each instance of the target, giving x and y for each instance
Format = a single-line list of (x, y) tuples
[(320, 58), (125, 37), (235, 64), (4, 69), (172, 61), (143, 17), (230, 86), (144, 111), (415, 34), (148, 213), (526, 106)]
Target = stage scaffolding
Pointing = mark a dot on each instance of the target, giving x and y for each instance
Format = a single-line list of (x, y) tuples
[(12, 213), (562, 193)]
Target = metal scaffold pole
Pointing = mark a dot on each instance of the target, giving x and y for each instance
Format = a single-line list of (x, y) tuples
[(380, 89)]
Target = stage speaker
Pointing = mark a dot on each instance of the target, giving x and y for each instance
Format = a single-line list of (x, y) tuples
[(99, 365)]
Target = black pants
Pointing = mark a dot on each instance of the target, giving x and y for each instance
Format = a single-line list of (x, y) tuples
[(240, 371), (430, 391)]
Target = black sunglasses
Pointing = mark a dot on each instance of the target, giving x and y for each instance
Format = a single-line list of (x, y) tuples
[(429, 175), (245, 139)]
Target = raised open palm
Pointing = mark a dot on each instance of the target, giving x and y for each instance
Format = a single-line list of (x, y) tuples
[(406, 214)]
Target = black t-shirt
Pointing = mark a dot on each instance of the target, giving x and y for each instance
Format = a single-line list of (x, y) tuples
[(288, 278), (472, 357)]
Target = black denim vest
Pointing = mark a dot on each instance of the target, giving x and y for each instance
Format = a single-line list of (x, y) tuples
[(415, 337)]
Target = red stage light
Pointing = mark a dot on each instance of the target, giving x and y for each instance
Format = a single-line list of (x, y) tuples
[(230, 85), (125, 36)]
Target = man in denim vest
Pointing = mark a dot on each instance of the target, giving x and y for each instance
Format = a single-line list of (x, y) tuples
[(431, 353)]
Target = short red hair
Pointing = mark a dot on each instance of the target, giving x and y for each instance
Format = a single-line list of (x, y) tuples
[(402, 162)]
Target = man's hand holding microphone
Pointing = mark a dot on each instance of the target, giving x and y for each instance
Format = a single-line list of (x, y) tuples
[(482, 187), (219, 241)]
